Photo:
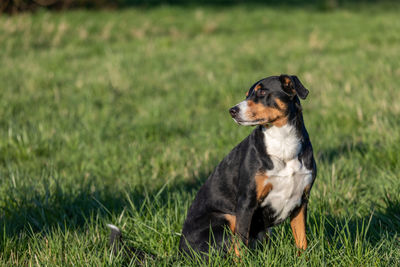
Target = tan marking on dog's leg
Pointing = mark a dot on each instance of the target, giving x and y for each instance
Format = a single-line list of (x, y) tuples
[(231, 220), (232, 224), (236, 248), (298, 225)]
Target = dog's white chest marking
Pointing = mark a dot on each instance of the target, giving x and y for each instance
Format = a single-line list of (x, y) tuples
[(289, 177)]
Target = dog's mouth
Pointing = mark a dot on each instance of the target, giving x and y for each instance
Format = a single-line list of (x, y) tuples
[(250, 123)]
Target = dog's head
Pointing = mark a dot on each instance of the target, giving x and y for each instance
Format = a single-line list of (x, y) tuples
[(270, 101)]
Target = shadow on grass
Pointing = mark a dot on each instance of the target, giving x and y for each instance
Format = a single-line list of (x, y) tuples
[(64, 208), (295, 3), (314, 4), (383, 219), (373, 228), (13, 7), (346, 148)]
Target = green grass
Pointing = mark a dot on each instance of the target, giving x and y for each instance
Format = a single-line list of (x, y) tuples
[(119, 116)]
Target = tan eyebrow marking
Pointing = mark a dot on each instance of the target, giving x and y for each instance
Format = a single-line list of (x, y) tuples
[(259, 86)]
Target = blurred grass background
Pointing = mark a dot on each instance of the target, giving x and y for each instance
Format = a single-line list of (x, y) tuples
[(120, 115)]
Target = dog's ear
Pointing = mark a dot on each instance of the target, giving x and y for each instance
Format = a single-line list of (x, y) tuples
[(292, 86)]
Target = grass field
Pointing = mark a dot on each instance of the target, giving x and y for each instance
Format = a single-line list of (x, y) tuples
[(119, 116)]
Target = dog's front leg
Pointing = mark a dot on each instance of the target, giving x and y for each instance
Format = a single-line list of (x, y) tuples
[(245, 208), (298, 221), (298, 225)]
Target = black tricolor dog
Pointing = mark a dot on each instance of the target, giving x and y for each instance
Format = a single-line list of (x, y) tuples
[(263, 180)]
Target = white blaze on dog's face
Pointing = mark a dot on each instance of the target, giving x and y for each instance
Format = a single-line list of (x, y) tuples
[(269, 101)]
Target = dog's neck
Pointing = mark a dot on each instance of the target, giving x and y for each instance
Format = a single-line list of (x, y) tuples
[(285, 142), (282, 142)]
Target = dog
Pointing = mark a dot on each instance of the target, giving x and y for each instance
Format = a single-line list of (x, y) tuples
[(264, 180)]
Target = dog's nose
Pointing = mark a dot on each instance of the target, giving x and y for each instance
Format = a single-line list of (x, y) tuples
[(234, 111)]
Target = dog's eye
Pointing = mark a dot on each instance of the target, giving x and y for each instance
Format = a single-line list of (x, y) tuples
[(261, 92)]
